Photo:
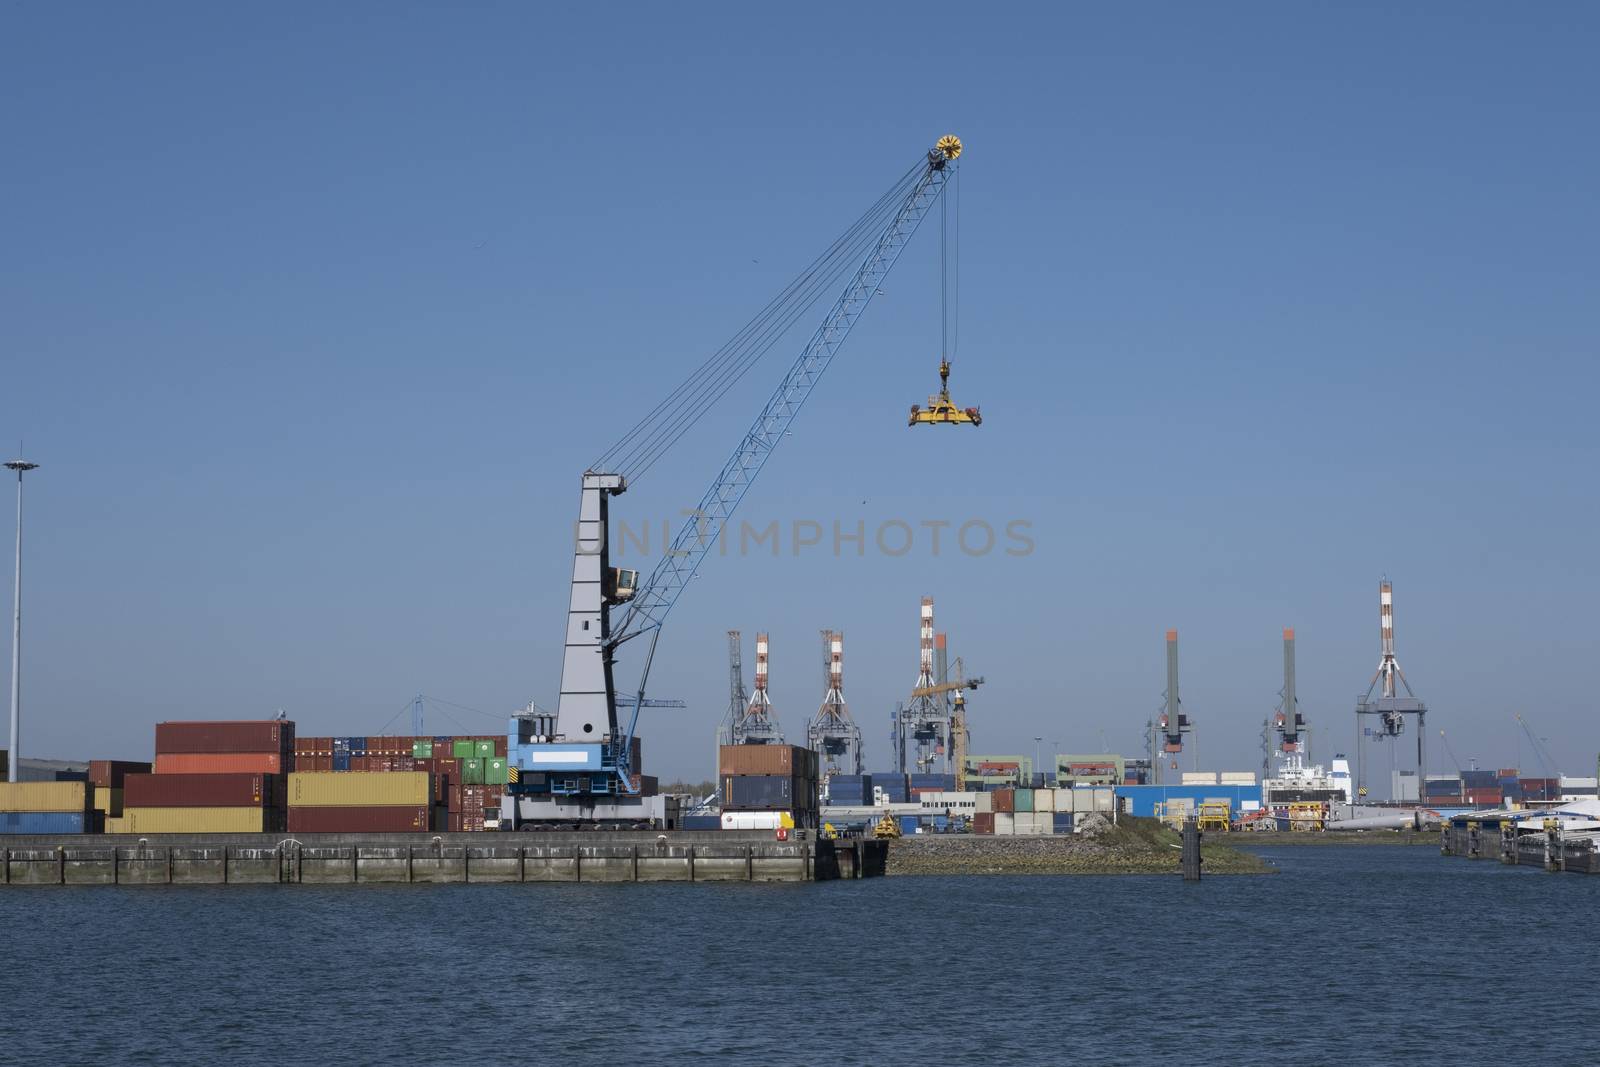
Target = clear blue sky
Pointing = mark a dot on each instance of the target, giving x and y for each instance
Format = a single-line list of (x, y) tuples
[(314, 316)]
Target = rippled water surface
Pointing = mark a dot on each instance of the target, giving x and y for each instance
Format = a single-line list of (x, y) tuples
[(1350, 956)]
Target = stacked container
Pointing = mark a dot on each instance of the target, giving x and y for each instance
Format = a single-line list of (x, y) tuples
[(241, 803), (46, 808), (919, 784), (891, 787), (761, 784), (359, 801), (235, 747), (469, 774), (107, 777), (850, 790)]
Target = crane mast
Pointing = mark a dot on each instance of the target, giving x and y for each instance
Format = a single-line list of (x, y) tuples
[(589, 750)]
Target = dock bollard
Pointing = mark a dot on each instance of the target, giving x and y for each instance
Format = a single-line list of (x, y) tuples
[(1191, 849)]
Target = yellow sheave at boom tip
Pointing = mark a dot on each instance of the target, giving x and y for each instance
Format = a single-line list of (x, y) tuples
[(948, 146)]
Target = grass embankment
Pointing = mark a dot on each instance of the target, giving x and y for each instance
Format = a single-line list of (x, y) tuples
[(1133, 846)]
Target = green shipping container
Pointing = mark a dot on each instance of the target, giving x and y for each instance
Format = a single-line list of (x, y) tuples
[(472, 772), (1024, 799), (494, 771), (464, 750), (422, 750), (485, 750)]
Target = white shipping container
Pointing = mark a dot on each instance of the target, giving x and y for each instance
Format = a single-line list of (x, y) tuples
[(1004, 824), (1044, 800), (1105, 798), (756, 820), (1250, 805), (1065, 799), (1237, 778), (1199, 778), (985, 802)]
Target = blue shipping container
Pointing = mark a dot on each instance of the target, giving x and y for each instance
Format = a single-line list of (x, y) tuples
[(42, 822), (700, 822), (908, 824), (1062, 822)]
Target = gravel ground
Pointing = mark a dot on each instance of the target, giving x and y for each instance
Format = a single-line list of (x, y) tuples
[(1135, 846)]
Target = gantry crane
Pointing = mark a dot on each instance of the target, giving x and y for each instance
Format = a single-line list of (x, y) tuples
[(958, 715), (834, 734), (584, 765)]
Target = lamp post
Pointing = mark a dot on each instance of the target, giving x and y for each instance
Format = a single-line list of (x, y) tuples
[(15, 758), (1036, 771)]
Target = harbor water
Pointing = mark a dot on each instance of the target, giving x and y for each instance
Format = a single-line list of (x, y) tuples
[(1349, 954)]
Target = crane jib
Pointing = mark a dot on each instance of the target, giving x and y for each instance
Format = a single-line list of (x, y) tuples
[(586, 715)]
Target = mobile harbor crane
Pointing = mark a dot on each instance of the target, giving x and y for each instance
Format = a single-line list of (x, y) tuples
[(578, 766)]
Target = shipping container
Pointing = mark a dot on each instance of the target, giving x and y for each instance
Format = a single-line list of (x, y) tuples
[(1022, 800), (44, 822), (356, 819), (758, 820), (261, 735), (463, 749), (1061, 822), (909, 824), (1005, 824), (202, 791), (983, 823), (108, 773), (472, 771), (220, 763), (218, 820), (700, 822), (355, 789), (45, 796), (107, 801), (422, 748), (764, 760), (1004, 801), (1044, 800), (763, 792)]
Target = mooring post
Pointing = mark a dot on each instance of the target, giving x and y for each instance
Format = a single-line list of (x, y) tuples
[(1191, 849)]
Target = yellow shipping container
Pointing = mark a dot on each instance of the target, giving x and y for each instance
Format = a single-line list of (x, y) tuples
[(194, 820), (358, 789), (115, 825), (108, 800), (44, 796)]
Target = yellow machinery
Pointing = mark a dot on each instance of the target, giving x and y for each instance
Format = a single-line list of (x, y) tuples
[(1214, 815), (828, 832), (941, 409), (1306, 816), (888, 827), (1172, 814)]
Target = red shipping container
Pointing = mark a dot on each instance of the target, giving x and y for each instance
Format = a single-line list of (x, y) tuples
[(261, 735), (1003, 800), (109, 773), (220, 763), (201, 790), (983, 822), (387, 818)]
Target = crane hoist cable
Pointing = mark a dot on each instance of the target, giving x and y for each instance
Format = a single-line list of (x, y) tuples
[(941, 409), (663, 426)]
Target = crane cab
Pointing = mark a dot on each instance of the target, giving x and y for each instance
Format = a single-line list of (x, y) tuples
[(941, 409), (622, 585)]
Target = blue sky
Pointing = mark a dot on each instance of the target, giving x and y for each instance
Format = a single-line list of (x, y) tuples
[(314, 317)]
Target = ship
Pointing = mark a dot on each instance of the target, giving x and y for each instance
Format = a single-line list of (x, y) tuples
[(1301, 782)]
